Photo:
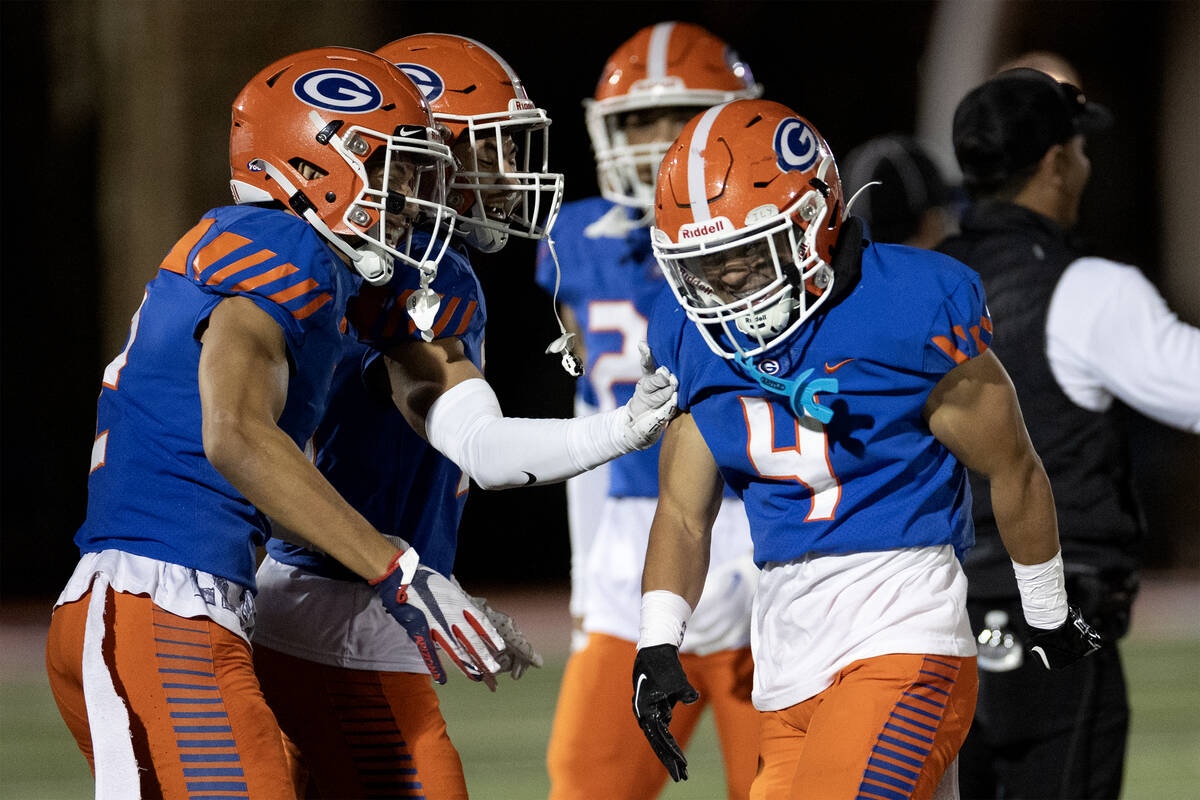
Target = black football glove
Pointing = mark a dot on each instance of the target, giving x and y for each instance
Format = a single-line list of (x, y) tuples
[(1063, 646), (658, 684)]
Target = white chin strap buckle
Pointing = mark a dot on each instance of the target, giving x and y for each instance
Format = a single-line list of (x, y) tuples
[(422, 307)]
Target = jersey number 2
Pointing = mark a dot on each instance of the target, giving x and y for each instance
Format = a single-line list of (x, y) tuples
[(807, 462), (112, 377)]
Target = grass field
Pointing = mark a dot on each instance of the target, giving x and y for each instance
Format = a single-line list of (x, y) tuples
[(502, 736)]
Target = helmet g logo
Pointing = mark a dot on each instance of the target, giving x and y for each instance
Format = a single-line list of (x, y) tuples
[(796, 145), (338, 90), (429, 82)]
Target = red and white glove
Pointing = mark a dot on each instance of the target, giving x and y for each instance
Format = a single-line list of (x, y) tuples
[(433, 610)]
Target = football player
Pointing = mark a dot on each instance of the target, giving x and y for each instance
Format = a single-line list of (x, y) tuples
[(650, 87), (841, 388), (200, 428), (402, 393)]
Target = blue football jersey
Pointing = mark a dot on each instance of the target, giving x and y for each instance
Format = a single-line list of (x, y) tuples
[(610, 281), (365, 447), (152, 491), (873, 477)]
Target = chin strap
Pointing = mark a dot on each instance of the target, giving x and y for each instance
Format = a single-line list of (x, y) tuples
[(801, 396), (571, 363)]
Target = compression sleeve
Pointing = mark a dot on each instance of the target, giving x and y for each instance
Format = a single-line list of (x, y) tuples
[(586, 494), (466, 425)]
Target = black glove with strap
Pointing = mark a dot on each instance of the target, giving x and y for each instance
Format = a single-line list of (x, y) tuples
[(658, 684), (1062, 646)]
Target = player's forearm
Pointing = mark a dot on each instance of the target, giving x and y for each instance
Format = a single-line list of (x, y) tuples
[(676, 558), (1023, 505), (498, 452), (265, 465)]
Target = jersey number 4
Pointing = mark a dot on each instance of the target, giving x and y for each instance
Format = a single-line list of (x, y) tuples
[(806, 463)]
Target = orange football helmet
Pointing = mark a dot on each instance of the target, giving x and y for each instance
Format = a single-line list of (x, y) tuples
[(668, 64), (748, 209), (482, 102), (330, 133)]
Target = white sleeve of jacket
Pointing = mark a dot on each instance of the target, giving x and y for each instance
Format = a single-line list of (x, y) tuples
[(466, 425)]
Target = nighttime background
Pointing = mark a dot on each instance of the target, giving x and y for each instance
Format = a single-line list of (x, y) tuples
[(115, 140)]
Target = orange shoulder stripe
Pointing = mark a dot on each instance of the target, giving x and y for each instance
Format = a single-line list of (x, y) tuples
[(239, 265), (308, 310), (397, 315), (292, 292), (444, 319), (466, 319), (254, 281), (176, 260), (217, 249), (950, 349)]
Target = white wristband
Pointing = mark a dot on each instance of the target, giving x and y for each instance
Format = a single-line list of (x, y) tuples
[(664, 618), (1043, 592)]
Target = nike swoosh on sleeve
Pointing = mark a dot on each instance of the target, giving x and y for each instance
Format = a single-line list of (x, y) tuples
[(532, 478)]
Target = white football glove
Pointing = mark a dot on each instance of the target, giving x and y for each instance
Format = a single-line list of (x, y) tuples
[(653, 404), (518, 654), (433, 610)]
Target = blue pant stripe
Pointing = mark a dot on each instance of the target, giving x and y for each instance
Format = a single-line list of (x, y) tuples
[(182, 644), (206, 758), (910, 747), (217, 786), (942, 663), (203, 729), (205, 743), (920, 711), (891, 726), (928, 700), (199, 715), (879, 791), (213, 772), (931, 688), (892, 754), (179, 628), (890, 780), (211, 688), (218, 797), (913, 722), (184, 658), (162, 671), (879, 763), (195, 700)]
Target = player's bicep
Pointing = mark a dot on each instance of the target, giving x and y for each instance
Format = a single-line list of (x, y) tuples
[(244, 367), (690, 485), (420, 372), (973, 410)]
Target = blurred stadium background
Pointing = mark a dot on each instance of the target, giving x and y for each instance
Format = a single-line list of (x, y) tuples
[(115, 140)]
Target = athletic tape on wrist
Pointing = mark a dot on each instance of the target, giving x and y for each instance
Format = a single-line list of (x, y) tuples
[(664, 618), (1043, 592)]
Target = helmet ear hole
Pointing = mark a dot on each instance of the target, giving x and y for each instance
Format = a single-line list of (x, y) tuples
[(308, 170)]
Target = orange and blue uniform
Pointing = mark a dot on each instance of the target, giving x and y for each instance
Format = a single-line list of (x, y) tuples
[(149, 644), (864, 659)]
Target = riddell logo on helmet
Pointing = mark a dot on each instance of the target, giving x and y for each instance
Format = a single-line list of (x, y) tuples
[(702, 230)]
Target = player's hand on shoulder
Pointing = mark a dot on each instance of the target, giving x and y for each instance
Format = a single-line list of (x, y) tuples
[(518, 655), (1062, 646), (659, 683), (653, 404), (434, 610)]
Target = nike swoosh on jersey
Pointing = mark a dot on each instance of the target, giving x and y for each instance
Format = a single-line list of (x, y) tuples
[(638, 690), (532, 478), (837, 366)]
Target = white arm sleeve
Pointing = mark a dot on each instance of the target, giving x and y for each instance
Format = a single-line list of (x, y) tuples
[(466, 425), (1110, 333), (586, 494)]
